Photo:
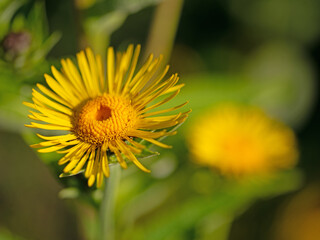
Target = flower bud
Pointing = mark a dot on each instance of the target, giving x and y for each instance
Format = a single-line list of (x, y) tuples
[(17, 43)]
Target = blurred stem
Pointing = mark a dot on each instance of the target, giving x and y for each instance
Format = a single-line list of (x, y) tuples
[(107, 231), (222, 233), (81, 36), (163, 28), (88, 220)]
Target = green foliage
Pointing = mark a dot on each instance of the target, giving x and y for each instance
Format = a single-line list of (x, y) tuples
[(105, 17), (286, 93), (294, 20), (20, 69), (216, 208), (7, 235), (177, 200)]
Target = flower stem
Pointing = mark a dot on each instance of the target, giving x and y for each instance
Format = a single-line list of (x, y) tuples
[(163, 28), (107, 231)]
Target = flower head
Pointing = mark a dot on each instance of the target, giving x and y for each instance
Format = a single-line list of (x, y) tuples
[(242, 140), (104, 117)]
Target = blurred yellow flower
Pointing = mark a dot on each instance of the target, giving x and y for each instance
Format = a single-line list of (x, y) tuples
[(101, 116), (241, 140)]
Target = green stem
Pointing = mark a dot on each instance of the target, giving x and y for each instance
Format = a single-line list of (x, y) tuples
[(81, 37), (163, 28), (107, 224)]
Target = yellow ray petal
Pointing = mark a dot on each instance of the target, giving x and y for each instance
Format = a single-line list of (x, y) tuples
[(75, 150), (161, 103), (48, 112), (155, 142), (77, 78), (60, 90), (101, 72), (122, 162), (91, 180), (69, 90), (90, 164), (76, 83), (147, 76), (157, 125), (110, 69), (94, 71), (38, 96), (134, 143), (51, 149), (154, 85), (48, 126), (53, 95), (130, 155), (99, 175), (162, 88), (147, 134), (142, 70), (105, 165), (81, 163), (58, 138), (56, 121), (71, 165), (85, 73), (132, 69)]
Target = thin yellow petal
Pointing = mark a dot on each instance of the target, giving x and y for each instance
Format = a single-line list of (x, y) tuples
[(47, 126), (66, 86), (58, 138), (134, 143), (85, 73), (142, 71), (51, 149), (122, 162), (91, 180), (147, 134), (105, 165), (131, 156), (76, 150), (77, 78), (155, 142), (56, 121), (90, 164), (53, 95), (101, 73), (50, 103), (132, 69), (110, 69), (71, 165), (94, 71), (81, 162)]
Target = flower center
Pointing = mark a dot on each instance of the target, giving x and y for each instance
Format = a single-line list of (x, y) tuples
[(103, 113), (104, 118)]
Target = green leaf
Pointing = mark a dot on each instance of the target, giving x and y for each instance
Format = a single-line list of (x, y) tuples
[(45, 47), (7, 9)]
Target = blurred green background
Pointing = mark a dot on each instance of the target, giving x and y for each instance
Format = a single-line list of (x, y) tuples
[(260, 52)]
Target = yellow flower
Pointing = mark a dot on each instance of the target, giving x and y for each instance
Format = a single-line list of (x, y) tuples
[(104, 116), (241, 140)]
